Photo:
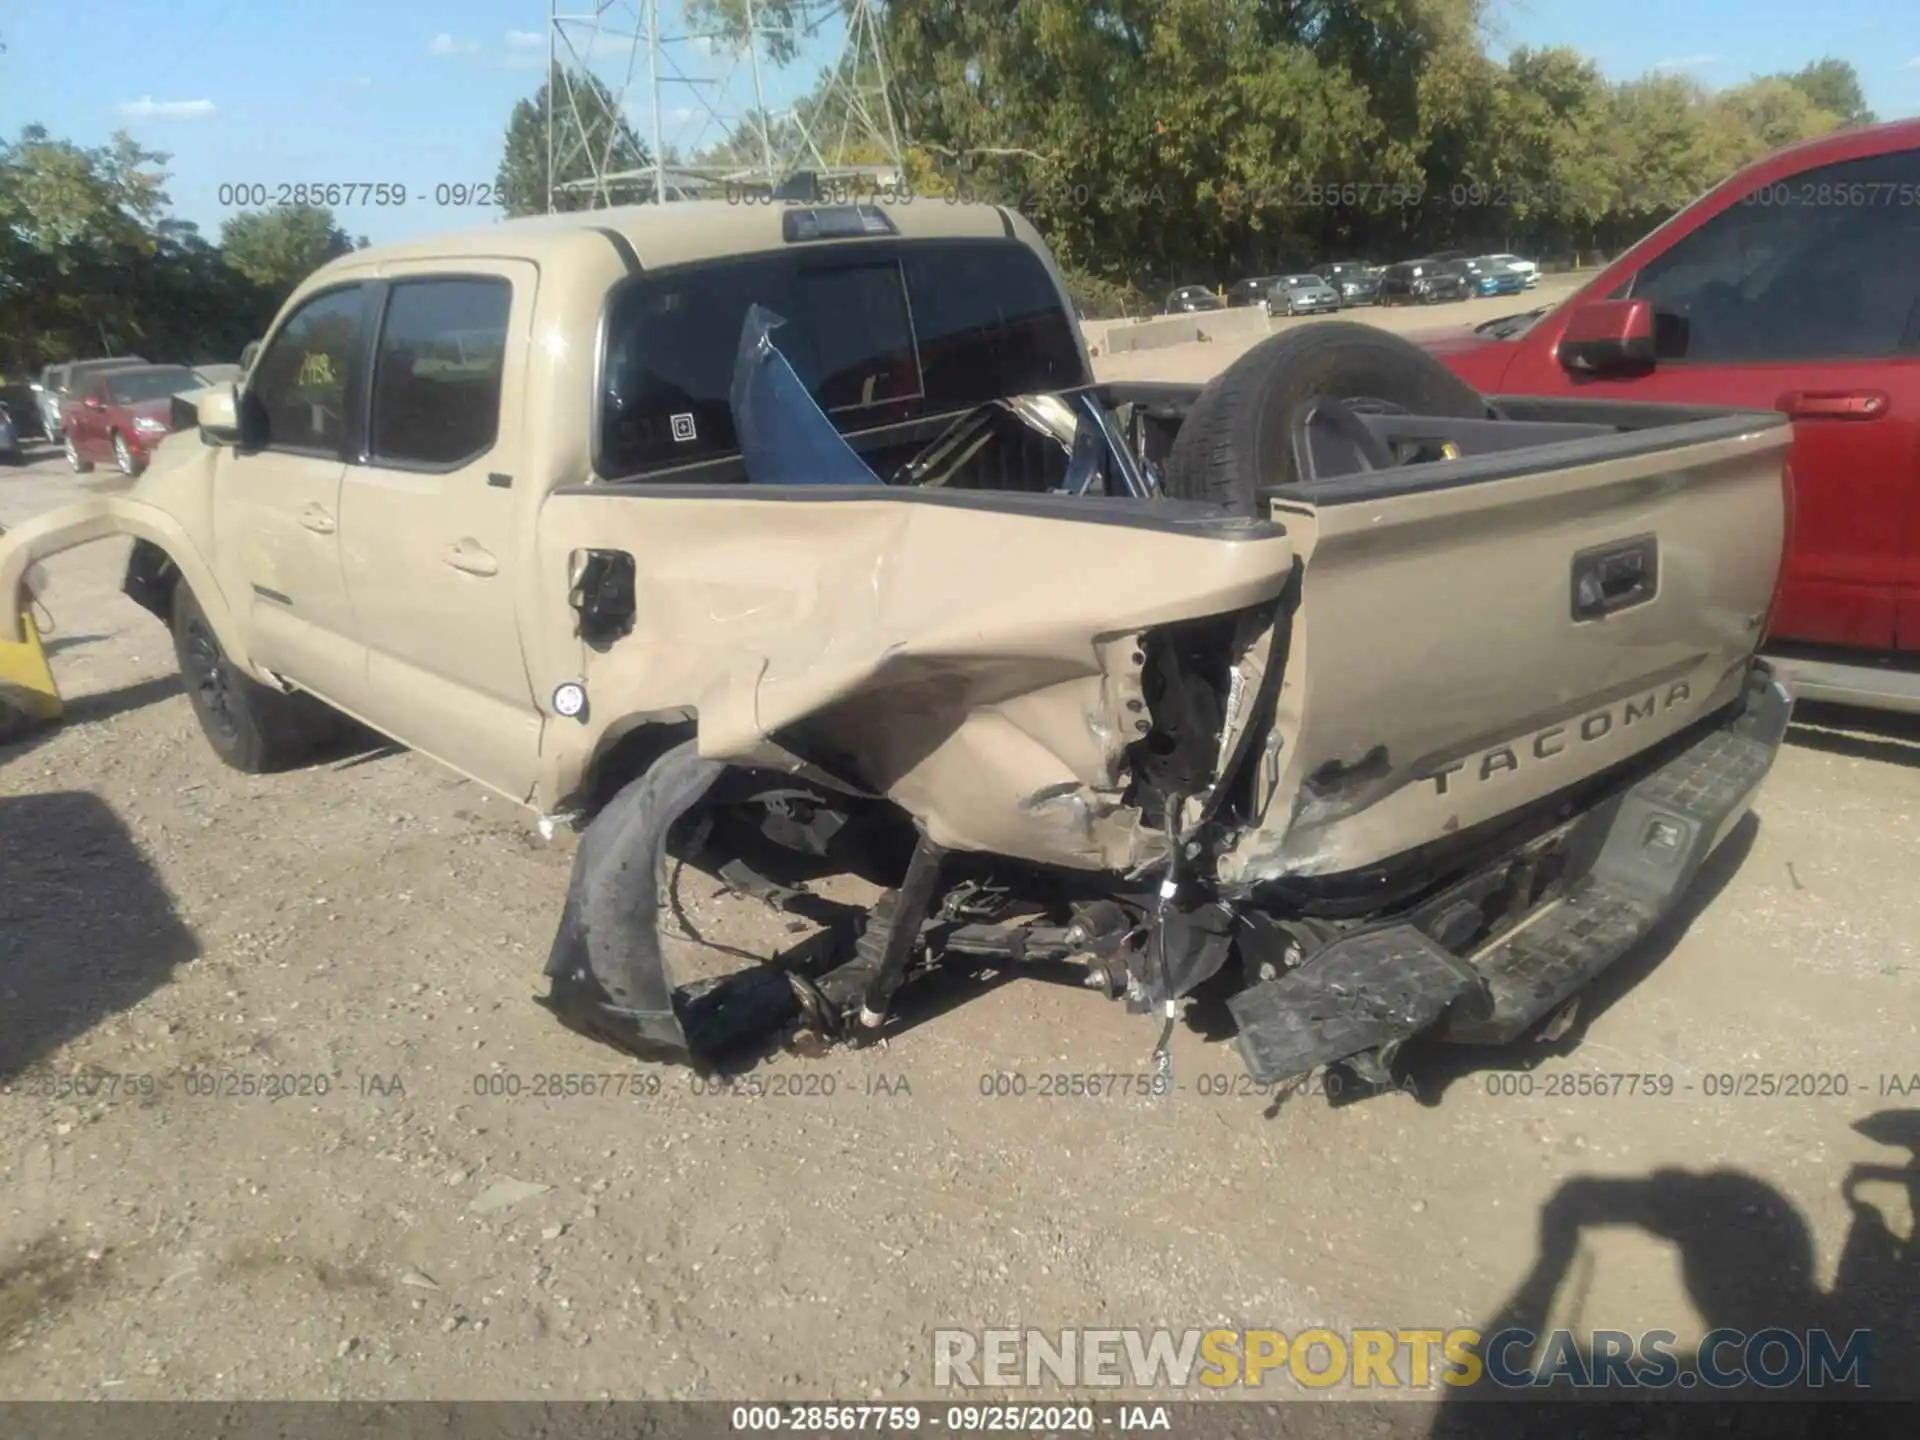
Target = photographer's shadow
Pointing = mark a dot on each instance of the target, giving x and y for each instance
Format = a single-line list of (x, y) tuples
[(1747, 1257)]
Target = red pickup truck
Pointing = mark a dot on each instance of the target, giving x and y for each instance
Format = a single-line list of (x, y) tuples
[(1794, 285)]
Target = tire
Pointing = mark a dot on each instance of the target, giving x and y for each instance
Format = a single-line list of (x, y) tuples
[(252, 728), (1238, 438), (80, 467), (123, 456)]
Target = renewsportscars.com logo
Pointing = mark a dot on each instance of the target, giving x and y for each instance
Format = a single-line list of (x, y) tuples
[(1395, 1359)]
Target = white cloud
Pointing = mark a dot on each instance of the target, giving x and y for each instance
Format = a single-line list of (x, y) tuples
[(1913, 64), (445, 44), (1688, 62), (148, 108), (525, 40)]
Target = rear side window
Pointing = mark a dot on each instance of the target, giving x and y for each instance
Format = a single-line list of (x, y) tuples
[(437, 372), (990, 324), (296, 398), (879, 333)]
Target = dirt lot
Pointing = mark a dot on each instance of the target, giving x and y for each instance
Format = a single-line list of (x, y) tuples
[(373, 927)]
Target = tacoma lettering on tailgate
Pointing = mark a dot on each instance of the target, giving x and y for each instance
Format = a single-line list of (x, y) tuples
[(1556, 739)]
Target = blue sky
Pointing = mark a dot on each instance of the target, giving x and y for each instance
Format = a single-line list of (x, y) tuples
[(419, 91)]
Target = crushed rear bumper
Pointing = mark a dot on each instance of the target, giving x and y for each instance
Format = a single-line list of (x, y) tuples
[(1638, 851)]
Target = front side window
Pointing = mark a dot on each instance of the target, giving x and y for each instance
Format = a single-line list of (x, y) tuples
[(437, 372), (1816, 266), (297, 396)]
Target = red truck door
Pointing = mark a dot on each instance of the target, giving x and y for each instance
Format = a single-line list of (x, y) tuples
[(84, 418), (1802, 293)]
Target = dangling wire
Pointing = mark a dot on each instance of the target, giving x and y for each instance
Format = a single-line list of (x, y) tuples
[(1169, 887)]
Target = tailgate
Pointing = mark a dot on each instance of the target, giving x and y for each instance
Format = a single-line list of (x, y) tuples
[(1478, 634)]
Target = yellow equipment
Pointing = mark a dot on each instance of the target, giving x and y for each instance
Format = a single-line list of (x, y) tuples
[(28, 696)]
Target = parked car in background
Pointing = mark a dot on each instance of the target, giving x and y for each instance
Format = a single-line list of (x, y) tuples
[(46, 395), (73, 377), (122, 413), (1302, 295), (1465, 271), (1251, 291), (1494, 276), (23, 404), (1529, 270), (1421, 282), (1351, 279), (1191, 298), (1791, 286), (10, 451)]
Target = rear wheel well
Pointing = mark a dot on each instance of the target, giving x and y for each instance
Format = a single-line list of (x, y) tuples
[(628, 756)]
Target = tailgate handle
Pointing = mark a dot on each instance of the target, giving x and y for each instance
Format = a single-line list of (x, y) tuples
[(1611, 578)]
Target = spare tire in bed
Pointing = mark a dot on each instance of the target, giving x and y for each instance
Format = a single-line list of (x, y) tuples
[(1238, 437)]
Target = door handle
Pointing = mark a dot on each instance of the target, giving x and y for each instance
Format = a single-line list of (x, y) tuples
[(316, 519), (468, 555), (1834, 404)]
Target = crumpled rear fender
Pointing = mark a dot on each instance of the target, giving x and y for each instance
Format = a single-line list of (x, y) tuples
[(102, 517)]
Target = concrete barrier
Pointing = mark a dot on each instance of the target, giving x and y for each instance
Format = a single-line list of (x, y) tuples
[(1120, 337)]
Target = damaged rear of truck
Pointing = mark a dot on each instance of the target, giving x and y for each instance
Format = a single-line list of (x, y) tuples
[(1376, 712)]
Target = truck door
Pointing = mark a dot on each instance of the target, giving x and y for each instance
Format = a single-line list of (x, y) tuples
[(277, 499), (1803, 295), (429, 514)]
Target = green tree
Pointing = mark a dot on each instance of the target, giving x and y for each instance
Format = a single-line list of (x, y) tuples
[(278, 248), (1834, 86), (76, 226), (782, 23), (589, 137)]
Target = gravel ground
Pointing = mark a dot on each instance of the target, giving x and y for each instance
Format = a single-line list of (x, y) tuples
[(368, 933)]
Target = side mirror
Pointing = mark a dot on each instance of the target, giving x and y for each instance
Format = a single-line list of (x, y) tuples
[(246, 355), (216, 412), (1608, 336)]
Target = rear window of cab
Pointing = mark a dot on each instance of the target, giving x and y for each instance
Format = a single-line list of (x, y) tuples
[(880, 332)]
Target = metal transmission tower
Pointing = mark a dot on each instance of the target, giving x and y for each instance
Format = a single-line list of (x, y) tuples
[(700, 99)]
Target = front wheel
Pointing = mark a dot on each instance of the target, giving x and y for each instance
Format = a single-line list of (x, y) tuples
[(252, 727), (123, 455), (80, 466)]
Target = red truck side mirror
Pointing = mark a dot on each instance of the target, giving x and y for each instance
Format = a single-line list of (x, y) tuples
[(1608, 336)]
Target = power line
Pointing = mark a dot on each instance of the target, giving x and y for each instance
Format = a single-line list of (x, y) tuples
[(642, 51)]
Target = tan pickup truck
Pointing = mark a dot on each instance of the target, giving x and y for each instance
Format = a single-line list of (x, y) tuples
[(801, 537)]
